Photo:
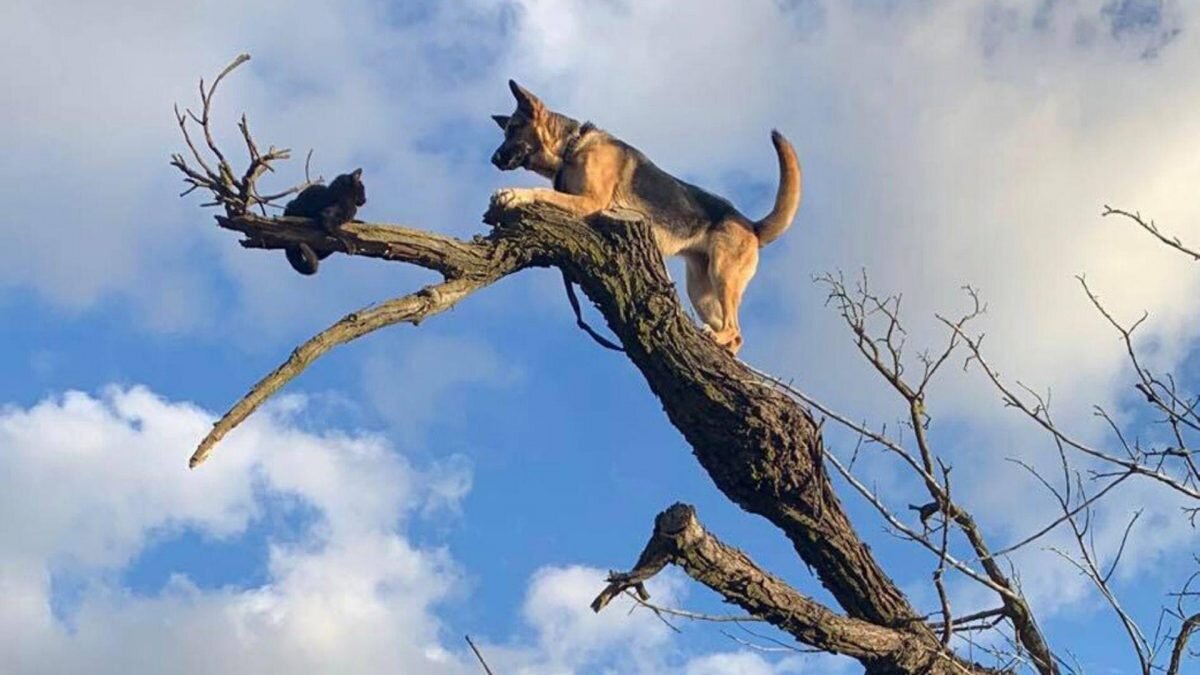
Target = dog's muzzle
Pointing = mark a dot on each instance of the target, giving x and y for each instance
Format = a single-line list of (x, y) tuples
[(509, 158)]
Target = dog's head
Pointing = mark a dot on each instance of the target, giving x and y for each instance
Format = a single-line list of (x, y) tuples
[(530, 136)]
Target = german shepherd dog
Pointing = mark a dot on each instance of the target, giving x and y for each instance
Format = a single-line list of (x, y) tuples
[(593, 171)]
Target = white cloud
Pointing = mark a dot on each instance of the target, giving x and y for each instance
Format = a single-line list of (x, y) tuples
[(569, 638), (744, 663), (88, 483), (933, 162), (568, 630)]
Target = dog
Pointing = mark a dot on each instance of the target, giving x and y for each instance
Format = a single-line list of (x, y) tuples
[(593, 171)]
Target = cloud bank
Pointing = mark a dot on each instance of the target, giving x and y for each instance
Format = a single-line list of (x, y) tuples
[(88, 484)]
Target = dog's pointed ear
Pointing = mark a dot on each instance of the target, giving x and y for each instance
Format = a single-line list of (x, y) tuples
[(526, 101), (501, 120)]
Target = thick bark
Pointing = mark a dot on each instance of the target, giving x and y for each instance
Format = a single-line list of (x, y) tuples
[(761, 449)]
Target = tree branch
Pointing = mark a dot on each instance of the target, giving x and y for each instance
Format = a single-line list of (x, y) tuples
[(411, 308), (453, 258), (1038, 412), (760, 447), (583, 325), (1188, 627), (478, 655), (1150, 227), (679, 539)]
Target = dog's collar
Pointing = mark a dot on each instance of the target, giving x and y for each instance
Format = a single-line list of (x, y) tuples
[(576, 136)]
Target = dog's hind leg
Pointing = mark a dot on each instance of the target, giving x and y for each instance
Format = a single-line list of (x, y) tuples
[(733, 262), (701, 292)]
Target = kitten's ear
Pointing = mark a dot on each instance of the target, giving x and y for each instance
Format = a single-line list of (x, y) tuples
[(526, 101), (356, 174), (501, 120)]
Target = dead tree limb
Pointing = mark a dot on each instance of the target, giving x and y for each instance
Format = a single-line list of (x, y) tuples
[(412, 308), (762, 449), (679, 539)]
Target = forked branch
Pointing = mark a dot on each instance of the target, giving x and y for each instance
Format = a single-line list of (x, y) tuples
[(880, 337), (679, 539), (236, 193)]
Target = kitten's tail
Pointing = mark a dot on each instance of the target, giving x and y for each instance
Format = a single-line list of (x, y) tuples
[(302, 258), (787, 198)]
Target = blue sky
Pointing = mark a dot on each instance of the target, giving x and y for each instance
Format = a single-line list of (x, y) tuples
[(480, 473)]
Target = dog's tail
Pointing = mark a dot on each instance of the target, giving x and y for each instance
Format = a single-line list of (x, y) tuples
[(787, 199)]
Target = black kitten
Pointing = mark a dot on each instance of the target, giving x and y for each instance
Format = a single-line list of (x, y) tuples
[(331, 206)]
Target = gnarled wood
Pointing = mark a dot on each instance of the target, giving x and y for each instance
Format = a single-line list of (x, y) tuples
[(679, 539)]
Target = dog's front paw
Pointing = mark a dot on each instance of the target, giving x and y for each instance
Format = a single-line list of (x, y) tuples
[(508, 198)]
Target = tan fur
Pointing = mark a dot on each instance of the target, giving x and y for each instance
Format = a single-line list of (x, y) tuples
[(596, 173)]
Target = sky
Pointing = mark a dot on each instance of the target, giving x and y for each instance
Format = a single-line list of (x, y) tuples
[(481, 473)]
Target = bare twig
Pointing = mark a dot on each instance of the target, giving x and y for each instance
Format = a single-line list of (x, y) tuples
[(883, 348), (763, 648), (1038, 412), (237, 194), (947, 618), (1162, 395), (780, 645), (688, 614), (479, 656), (908, 532), (996, 613), (1080, 522), (1152, 228), (574, 300)]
